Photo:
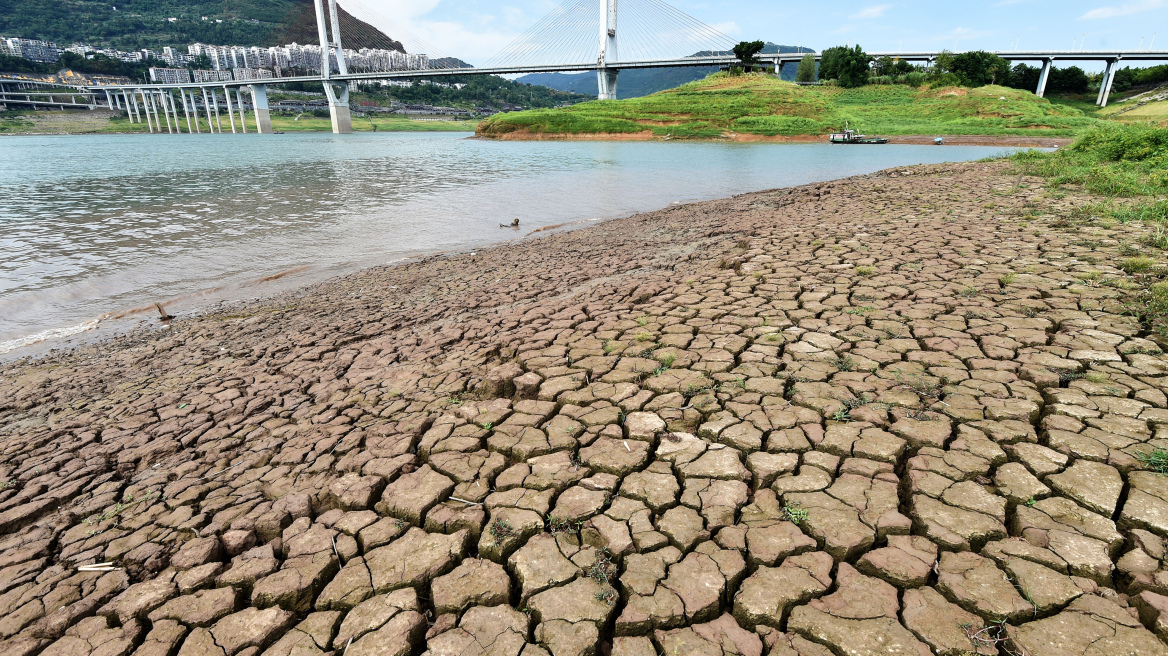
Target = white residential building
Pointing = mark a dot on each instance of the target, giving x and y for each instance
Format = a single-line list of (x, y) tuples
[(243, 74), (170, 75), (210, 76), (33, 49)]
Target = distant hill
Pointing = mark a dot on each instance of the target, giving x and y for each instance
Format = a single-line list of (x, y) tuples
[(133, 24), (355, 34), (642, 82)]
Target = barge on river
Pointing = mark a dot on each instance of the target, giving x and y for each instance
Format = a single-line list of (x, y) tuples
[(849, 136)]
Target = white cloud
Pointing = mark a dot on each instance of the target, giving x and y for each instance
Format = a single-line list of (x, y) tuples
[(473, 37), (875, 11), (729, 28), (401, 10), (1124, 10)]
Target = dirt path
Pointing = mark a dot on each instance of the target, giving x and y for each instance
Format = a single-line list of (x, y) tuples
[(900, 413)]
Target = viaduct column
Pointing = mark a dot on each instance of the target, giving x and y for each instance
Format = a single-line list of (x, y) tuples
[(259, 102), (606, 77), (1105, 84), (1043, 77)]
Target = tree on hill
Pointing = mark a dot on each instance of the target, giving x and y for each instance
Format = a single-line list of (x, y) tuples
[(976, 68), (850, 67), (829, 62), (806, 72), (746, 51), (1025, 77), (1128, 77), (888, 66), (854, 68), (1071, 80)]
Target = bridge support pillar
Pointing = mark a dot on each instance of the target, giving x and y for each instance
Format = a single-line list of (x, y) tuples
[(145, 110), (1105, 84), (606, 83), (338, 97), (182, 93), (259, 101), (243, 110), (1043, 77), (230, 109)]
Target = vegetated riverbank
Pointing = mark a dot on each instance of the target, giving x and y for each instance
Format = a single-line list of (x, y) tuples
[(722, 106), (703, 407), (105, 122)]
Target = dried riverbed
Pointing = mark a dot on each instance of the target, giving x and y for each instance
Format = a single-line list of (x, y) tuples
[(895, 414)]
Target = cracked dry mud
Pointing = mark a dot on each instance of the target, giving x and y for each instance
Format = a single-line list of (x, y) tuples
[(897, 414)]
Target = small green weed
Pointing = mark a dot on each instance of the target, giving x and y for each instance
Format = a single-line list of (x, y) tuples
[(845, 363), (502, 529), (1157, 237), (795, 514), (1155, 460), (1137, 265), (865, 271)]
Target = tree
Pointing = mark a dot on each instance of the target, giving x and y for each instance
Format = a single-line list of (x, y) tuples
[(746, 50), (1025, 77), (854, 68), (848, 66), (806, 71), (829, 62), (888, 66), (1071, 80), (977, 68)]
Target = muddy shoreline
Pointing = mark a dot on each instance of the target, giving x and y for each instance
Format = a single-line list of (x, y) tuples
[(949, 140), (902, 412)]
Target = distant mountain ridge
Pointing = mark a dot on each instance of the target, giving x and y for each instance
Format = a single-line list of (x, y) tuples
[(636, 83), (134, 24)]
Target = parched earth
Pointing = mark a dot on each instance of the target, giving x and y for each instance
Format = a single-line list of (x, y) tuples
[(897, 414)]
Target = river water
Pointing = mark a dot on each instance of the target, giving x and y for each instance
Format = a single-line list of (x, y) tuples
[(93, 227)]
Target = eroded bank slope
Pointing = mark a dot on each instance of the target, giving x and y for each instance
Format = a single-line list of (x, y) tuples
[(902, 413)]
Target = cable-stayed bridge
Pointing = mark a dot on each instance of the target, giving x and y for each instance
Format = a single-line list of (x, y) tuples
[(606, 36)]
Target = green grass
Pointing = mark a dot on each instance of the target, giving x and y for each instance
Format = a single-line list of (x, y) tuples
[(1127, 164), (762, 105), (1113, 160)]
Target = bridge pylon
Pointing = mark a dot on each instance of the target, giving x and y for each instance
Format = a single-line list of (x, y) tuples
[(336, 92), (606, 77)]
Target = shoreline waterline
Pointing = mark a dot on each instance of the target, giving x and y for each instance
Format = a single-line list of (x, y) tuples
[(212, 229)]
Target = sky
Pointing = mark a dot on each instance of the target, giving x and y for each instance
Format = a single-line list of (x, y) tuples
[(474, 30)]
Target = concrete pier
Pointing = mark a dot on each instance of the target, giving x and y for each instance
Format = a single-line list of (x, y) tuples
[(1043, 77), (259, 101)]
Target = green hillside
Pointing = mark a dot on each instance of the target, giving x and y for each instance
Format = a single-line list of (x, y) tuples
[(130, 24), (762, 105)]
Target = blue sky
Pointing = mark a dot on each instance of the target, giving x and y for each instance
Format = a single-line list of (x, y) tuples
[(476, 29)]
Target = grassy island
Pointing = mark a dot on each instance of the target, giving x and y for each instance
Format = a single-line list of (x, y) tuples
[(761, 105)]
